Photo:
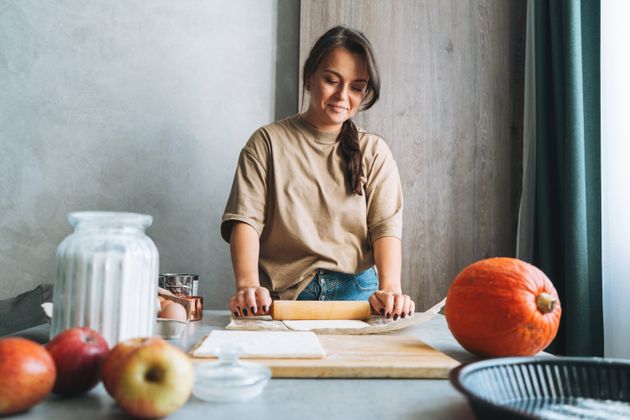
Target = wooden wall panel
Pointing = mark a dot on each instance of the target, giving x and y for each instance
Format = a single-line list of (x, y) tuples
[(451, 111)]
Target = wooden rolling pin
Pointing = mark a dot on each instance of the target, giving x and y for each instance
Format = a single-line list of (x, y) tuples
[(314, 309)]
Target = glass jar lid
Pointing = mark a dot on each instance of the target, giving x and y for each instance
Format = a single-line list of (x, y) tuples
[(229, 379)]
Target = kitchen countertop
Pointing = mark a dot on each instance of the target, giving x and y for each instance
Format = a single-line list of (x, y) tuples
[(292, 398)]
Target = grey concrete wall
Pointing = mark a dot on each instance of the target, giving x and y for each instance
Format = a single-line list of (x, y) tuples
[(134, 106)]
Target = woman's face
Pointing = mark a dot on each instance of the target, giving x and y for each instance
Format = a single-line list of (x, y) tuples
[(337, 88)]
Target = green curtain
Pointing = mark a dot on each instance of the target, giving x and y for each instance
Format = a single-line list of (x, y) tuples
[(567, 218)]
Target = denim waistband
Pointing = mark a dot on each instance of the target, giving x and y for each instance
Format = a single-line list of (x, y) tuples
[(332, 285)]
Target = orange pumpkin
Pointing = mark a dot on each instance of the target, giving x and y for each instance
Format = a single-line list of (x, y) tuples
[(503, 307)]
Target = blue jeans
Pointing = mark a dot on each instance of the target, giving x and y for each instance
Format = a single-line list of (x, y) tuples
[(330, 285)]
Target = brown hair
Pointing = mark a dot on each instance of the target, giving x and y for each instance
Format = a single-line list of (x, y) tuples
[(355, 42)]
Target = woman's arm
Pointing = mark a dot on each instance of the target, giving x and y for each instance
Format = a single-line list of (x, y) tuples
[(250, 298), (387, 253), (389, 299)]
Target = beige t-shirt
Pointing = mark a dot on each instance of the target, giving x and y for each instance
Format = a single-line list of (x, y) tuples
[(290, 186)]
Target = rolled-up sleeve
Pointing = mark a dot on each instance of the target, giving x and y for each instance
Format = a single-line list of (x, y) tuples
[(383, 195)]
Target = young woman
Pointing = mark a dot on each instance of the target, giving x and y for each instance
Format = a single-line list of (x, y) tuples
[(316, 202)]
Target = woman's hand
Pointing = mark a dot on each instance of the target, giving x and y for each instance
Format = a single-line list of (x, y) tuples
[(392, 304), (250, 298), (250, 301), (389, 301)]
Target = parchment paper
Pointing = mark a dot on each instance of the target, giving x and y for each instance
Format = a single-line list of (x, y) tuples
[(375, 325)]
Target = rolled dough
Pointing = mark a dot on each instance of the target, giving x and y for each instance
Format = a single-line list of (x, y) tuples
[(263, 344)]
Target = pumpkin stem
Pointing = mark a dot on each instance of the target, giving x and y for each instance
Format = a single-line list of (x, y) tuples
[(545, 302)]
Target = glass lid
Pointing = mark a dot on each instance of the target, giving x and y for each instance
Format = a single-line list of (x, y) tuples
[(229, 377)]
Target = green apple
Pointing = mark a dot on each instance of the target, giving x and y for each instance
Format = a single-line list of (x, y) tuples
[(148, 377)]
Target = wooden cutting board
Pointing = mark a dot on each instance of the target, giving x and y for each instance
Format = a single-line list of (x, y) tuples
[(367, 356)]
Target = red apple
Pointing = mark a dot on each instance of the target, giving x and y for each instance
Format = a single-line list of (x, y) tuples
[(78, 353), (148, 377), (27, 374)]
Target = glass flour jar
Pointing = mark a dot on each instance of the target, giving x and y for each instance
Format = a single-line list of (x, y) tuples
[(106, 276)]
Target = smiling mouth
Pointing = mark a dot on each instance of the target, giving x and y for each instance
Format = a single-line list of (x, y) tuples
[(338, 108)]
